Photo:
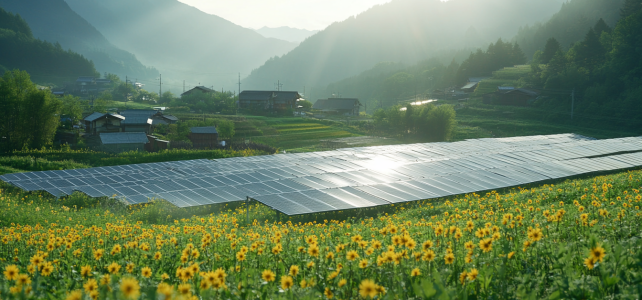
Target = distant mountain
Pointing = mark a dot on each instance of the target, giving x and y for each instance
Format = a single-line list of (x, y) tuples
[(286, 33), (45, 62), (405, 31), (569, 25), (183, 41), (55, 22)]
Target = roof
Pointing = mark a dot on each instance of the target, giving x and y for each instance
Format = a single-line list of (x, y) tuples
[(522, 91), (469, 85), (97, 115), (210, 129), (336, 103), (123, 138), (156, 121), (201, 88), (267, 95), (476, 79), (136, 120), (170, 117), (85, 79), (138, 112), (505, 88), (103, 81)]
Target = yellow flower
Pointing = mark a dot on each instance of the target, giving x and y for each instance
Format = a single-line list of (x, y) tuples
[(472, 275), (328, 293), (98, 254), (165, 289), (367, 288), (589, 262), (313, 250), (130, 288), (157, 256), (486, 245), (185, 288), (130, 268), (462, 277), (352, 255), (91, 285), (415, 272), (342, 282), (113, 268), (240, 256), (449, 258), (37, 260), (47, 268), (85, 271), (294, 270), (146, 272), (510, 255), (23, 279), (11, 272), (268, 275), (598, 253), (105, 279), (74, 295), (286, 282), (429, 256), (363, 263)]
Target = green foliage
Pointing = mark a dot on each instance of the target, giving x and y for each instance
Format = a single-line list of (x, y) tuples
[(497, 56), (631, 7), (214, 102), (14, 23), (72, 107), (180, 131), (435, 123), (305, 105), (31, 116), (550, 49)]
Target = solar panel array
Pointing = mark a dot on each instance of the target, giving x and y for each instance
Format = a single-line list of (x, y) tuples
[(348, 178)]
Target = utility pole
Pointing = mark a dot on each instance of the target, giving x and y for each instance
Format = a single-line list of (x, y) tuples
[(239, 84), (160, 87), (572, 103), (183, 86)]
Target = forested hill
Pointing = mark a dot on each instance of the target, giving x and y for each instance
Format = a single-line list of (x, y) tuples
[(405, 31), (570, 24), (46, 62), (54, 21), (181, 40)]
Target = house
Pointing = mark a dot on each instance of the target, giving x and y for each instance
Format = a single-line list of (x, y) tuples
[(103, 122), (203, 137), (518, 97), (85, 80), (198, 90), (160, 118), (470, 87), (268, 100), (343, 106), (117, 142), (137, 120)]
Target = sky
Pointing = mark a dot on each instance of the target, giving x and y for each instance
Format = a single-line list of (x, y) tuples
[(303, 14)]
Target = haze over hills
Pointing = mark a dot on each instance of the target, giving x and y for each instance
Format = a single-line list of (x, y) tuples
[(55, 22), (400, 31), (286, 33), (181, 40)]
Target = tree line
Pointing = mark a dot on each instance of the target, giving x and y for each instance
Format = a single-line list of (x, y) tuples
[(427, 122)]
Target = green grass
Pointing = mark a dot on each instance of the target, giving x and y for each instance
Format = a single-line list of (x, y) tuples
[(131, 105), (513, 73), (490, 85)]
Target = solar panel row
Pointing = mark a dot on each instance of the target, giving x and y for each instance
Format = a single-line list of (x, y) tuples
[(346, 178)]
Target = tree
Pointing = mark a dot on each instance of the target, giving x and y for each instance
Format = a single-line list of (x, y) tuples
[(72, 108), (551, 48), (441, 122), (630, 7), (589, 53), (225, 128), (167, 97), (305, 105), (600, 27), (31, 115)]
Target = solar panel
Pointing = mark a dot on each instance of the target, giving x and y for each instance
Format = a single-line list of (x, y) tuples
[(346, 178)]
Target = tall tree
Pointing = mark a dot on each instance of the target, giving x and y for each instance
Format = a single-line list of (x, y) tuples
[(600, 27), (630, 7), (589, 53), (551, 48)]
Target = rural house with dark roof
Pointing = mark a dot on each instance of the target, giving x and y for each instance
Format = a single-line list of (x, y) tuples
[(268, 100), (123, 141), (203, 137), (198, 90), (343, 106), (103, 122)]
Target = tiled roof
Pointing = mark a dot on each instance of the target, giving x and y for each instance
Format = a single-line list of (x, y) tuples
[(336, 103), (210, 129), (123, 138), (95, 116)]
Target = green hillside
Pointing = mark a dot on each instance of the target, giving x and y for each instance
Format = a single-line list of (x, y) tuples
[(55, 22), (46, 62)]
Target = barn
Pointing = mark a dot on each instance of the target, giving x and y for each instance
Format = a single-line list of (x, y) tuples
[(103, 122), (117, 142), (268, 100), (343, 106), (203, 137)]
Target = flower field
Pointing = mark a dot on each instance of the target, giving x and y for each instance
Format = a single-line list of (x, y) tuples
[(576, 239)]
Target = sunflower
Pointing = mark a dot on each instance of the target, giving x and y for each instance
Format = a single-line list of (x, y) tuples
[(165, 289), (240, 256), (74, 295), (37, 260), (598, 253), (415, 272), (85, 271), (185, 288), (313, 250), (449, 258), (363, 263), (268, 275), (130, 288), (367, 288), (105, 279), (510, 255), (486, 245), (342, 282), (328, 293), (91, 285), (130, 268), (352, 255), (589, 262), (472, 275), (47, 268), (429, 256), (146, 272), (23, 279), (462, 277), (286, 282), (157, 256), (113, 268), (427, 245), (294, 270), (11, 272)]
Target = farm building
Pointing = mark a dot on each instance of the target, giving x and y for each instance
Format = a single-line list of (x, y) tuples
[(123, 141), (103, 122), (198, 90), (203, 137), (343, 106), (470, 87), (517, 97), (160, 118), (268, 100)]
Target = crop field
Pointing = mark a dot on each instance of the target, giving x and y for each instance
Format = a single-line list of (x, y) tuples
[(577, 239), (514, 73)]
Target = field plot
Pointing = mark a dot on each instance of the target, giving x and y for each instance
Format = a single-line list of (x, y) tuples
[(578, 239), (294, 134)]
